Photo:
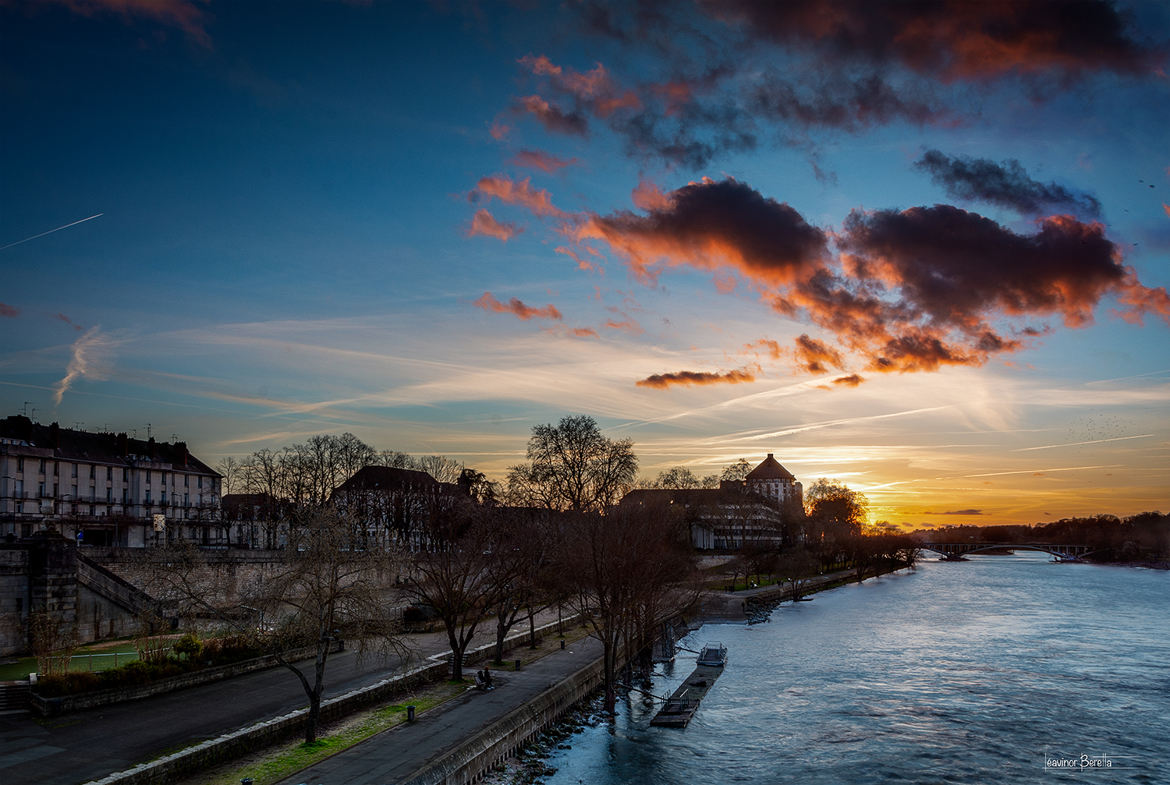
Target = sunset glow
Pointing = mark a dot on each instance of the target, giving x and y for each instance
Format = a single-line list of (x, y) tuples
[(922, 249)]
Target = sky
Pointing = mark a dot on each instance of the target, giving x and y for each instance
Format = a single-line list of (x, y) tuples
[(921, 248)]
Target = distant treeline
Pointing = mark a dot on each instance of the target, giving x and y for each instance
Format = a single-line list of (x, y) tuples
[(1144, 537)]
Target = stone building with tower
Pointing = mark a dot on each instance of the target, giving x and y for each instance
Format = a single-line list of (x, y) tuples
[(763, 509)]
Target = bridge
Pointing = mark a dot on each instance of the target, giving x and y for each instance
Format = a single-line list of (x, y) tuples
[(955, 551)]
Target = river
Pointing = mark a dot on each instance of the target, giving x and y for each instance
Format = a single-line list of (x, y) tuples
[(970, 672)]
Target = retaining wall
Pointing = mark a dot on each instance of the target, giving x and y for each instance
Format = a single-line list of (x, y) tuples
[(51, 707)]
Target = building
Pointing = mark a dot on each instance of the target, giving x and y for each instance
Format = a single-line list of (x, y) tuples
[(104, 488), (398, 507), (759, 511)]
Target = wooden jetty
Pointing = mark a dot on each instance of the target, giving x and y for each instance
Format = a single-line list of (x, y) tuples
[(683, 704)]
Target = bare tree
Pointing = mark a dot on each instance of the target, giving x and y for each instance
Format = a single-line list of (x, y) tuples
[(325, 590), (231, 470), (736, 471), (440, 467), (626, 569), (573, 466), (455, 577)]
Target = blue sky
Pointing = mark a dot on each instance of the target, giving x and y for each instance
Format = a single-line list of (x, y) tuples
[(288, 240)]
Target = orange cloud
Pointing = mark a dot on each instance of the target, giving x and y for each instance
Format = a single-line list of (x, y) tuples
[(484, 224), (771, 347), (584, 332), (661, 381), (648, 196), (626, 325), (1166, 208), (518, 192), (815, 356), (499, 130), (582, 264), (535, 159), (517, 308), (852, 380), (712, 225)]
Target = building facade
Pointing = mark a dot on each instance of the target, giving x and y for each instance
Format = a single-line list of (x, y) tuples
[(759, 511), (104, 489)]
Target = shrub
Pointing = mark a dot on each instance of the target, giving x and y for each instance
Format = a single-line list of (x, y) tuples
[(188, 646)]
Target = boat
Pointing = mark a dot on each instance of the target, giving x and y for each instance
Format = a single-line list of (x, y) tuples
[(713, 655)]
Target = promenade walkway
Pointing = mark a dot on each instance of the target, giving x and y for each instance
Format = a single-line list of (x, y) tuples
[(88, 745), (395, 755)]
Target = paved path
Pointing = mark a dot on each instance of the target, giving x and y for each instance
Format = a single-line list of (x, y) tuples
[(394, 755), (88, 745)]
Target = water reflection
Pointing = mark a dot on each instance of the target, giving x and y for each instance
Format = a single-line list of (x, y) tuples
[(967, 672)]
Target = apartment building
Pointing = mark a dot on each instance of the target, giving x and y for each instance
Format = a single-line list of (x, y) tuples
[(104, 489)]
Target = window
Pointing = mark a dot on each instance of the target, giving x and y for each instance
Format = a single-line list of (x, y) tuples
[(74, 490), (109, 473), (200, 482), (148, 495), (92, 468), (42, 465), (109, 495), (56, 468), (186, 481), (163, 498), (20, 463), (163, 475), (186, 500), (73, 469)]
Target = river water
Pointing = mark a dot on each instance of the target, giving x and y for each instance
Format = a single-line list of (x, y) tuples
[(970, 672)]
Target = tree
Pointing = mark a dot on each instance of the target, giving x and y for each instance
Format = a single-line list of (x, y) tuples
[(736, 471), (573, 466), (324, 590), (836, 516), (678, 478), (230, 469), (456, 577), (628, 572)]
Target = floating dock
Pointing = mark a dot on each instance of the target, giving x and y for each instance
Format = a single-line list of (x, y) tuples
[(682, 705)]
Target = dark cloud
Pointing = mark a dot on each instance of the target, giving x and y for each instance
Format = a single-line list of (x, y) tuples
[(661, 381), (9, 311), (949, 39), (1006, 184), (845, 102), (63, 318), (712, 225), (911, 290)]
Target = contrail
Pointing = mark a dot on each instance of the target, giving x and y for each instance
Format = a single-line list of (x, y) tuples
[(59, 228)]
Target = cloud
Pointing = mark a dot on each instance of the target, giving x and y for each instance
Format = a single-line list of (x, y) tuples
[(583, 332), (553, 118), (648, 196), (625, 325), (545, 162), (582, 264), (955, 512), (86, 351), (517, 308), (910, 290), (518, 192), (484, 224), (852, 380), (9, 311), (661, 381), (63, 318), (815, 356), (183, 14), (712, 225), (499, 130), (842, 101), (1166, 209), (1005, 184), (950, 40)]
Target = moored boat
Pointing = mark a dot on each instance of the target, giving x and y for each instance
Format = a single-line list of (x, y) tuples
[(713, 655)]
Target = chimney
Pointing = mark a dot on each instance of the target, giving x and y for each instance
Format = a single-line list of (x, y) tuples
[(54, 436), (181, 448), (123, 445), (769, 455)]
